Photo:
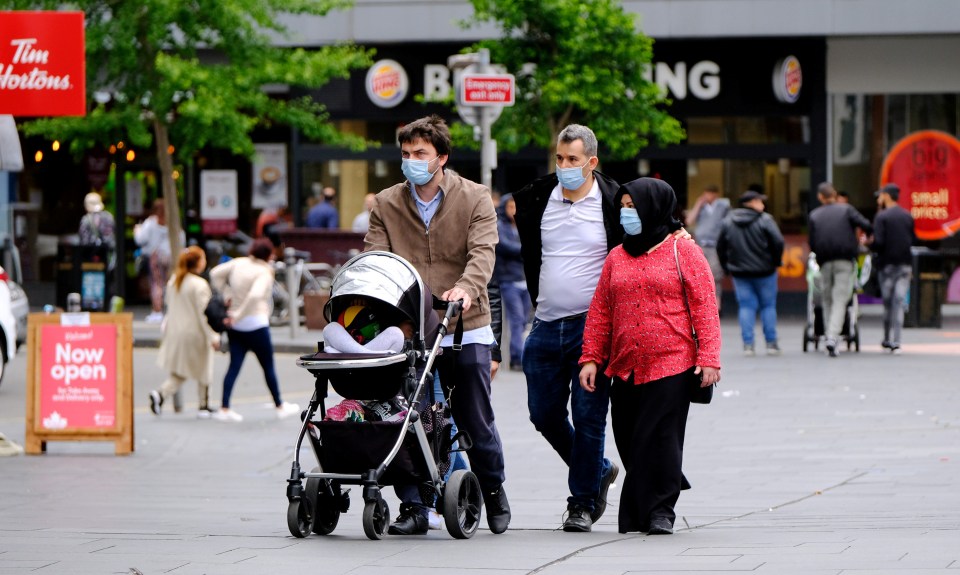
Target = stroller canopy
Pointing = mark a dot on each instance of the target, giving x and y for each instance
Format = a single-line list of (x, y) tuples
[(383, 276)]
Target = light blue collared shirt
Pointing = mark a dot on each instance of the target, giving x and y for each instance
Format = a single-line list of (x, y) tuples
[(426, 209)]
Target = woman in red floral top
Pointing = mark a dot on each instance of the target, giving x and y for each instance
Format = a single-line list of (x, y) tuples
[(638, 328)]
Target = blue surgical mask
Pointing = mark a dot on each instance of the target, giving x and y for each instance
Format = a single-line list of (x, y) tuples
[(417, 171), (571, 178), (630, 220)]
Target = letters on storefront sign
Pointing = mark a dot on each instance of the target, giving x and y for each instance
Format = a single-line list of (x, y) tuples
[(42, 66)]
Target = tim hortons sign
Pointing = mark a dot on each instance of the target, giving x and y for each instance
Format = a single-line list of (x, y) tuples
[(42, 64)]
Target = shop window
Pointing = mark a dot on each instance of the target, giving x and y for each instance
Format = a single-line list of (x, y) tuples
[(748, 130)]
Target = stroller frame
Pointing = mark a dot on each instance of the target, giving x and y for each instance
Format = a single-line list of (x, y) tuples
[(815, 328), (316, 506)]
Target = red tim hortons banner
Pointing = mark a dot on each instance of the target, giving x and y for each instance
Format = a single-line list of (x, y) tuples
[(42, 64)]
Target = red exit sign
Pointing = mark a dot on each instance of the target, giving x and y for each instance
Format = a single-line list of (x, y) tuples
[(487, 90)]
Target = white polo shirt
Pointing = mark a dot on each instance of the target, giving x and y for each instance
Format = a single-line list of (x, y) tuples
[(574, 249)]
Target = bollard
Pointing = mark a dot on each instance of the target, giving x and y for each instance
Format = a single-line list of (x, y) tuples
[(293, 289)]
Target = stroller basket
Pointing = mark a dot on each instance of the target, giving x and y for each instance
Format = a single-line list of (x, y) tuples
[(357, 447)]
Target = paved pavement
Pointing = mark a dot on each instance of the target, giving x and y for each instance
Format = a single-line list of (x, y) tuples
[(803, 464)]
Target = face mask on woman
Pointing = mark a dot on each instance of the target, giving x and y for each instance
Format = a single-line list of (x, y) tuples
[(417, 171), (571, 178), (630, 221)]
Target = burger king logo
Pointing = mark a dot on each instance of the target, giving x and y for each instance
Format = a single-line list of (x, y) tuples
[(787, 80), (387, 83)]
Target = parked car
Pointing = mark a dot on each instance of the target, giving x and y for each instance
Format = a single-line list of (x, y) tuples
[(20, 306), (8, 323)]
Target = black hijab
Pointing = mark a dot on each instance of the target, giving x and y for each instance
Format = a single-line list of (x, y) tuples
[(656, 203)]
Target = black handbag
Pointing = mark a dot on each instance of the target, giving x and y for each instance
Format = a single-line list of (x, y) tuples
[(216, 312), (698, 394)]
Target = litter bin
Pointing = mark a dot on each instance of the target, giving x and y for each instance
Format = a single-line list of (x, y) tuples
[(926, 289), (83, 270)]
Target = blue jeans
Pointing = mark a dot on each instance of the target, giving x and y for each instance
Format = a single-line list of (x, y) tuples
[(516, 308), (550, 362), (755, 294), (259, 342)]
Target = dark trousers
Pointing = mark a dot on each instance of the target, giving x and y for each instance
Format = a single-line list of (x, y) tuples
[(649, 421), (465, 377), (259, 342)]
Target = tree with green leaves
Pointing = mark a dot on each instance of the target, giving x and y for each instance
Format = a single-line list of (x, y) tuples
[(190, 74), (575, 61)]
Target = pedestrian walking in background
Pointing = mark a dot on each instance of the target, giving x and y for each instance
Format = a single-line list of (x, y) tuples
[(893, 235), (188, 344), (750, 247), (568, 222), (154, 240), (640, 328), (247, 286), (446, 226), (833, 238), (324, 214), (508, 274), (361, 223), (706, 217)]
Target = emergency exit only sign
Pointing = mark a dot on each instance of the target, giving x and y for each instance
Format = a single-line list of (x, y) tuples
[(487, 90)]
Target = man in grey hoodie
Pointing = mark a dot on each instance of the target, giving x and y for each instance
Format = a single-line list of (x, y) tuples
[(750, 248)]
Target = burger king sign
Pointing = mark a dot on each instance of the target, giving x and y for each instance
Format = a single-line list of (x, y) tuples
[(787, 80), (387, 83)]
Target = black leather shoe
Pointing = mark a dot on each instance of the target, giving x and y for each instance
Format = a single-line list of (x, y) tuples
[(578, 520), (498, 510), (660, 526), (410, 522), (600, 504)]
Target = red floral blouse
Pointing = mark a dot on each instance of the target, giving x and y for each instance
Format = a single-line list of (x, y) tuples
[(638, 323)]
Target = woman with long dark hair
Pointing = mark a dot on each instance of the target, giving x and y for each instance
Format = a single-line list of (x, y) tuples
[(247, 285), (639, 328)]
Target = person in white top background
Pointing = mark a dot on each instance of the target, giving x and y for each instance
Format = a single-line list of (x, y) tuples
[(247, 284), (154, 240)]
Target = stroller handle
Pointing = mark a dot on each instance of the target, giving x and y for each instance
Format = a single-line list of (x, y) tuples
[(453, 308)]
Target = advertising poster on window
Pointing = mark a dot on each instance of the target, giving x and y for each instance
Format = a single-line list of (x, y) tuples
[(78, 381), (270, 176), (218, 201), (926, 166)]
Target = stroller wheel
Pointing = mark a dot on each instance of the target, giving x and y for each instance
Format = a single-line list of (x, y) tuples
[(376, 517), (325, 514), (462, 504), (300, 518)]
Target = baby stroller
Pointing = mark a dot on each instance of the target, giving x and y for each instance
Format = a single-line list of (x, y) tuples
[(815, 328), (412, 449)]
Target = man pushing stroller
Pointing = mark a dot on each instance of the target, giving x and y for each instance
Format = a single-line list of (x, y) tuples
[(446, 227)]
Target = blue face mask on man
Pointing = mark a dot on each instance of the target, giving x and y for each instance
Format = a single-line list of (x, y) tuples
[(630, 220), (571, 178), (417, 171)]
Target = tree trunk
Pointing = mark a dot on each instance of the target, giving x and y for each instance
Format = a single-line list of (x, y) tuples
[(171, 205)]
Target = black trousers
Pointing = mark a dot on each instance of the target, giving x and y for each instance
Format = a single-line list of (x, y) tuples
[(465, 377), (649, 421)]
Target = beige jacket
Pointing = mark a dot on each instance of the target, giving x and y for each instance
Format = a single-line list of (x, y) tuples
[(186, 348), (246, 284), (457, 251)]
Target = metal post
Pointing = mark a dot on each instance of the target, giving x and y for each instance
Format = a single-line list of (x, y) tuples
[(486, 168), (293, 287)]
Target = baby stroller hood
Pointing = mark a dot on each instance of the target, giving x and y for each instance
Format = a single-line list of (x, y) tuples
[(386, 277)]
